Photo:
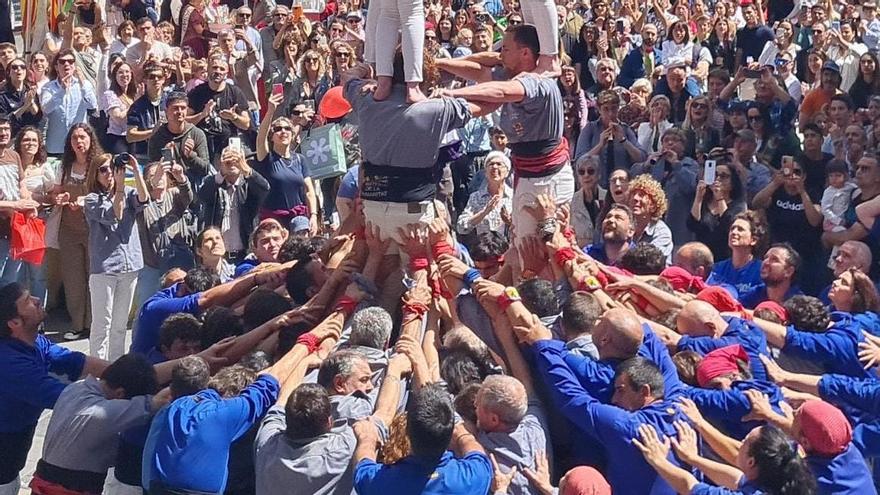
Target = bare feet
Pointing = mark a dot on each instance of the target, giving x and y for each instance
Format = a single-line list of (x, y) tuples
[(414, 93), (383, 88), (548, 66)]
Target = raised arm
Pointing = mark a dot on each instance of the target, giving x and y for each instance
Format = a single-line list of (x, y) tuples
[(490, 92)]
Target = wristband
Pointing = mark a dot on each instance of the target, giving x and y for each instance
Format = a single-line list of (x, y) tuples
[(310, 341), (416, 264), (590, 284), (346, 305), (471, 276), (441, 247), (508, 297), (569, 234), (437, 289), (563, 255)]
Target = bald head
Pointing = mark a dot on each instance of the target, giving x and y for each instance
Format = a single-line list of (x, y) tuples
[(699, 318), (852, 254), (618, 334), (695, 258)]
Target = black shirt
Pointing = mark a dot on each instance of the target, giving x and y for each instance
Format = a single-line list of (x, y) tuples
[(788, 223), (230, 97)]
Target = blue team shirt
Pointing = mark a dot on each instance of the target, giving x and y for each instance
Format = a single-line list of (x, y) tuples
[(155, 310), (28, 388), (726, 408), (859, 395), (759, 295), (844, 474), (739, 331), (613, 427), (836, 348), (597, 377), (189, 441), (412, 474), (744, 280)]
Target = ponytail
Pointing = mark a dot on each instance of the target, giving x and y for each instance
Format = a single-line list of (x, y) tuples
[(781, 470)]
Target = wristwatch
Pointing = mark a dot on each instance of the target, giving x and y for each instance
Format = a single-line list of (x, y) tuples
[(508, 297)]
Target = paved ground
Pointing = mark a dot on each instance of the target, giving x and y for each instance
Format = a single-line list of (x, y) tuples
[(56, 325)]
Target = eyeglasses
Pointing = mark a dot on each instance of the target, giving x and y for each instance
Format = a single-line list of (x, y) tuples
[(699, 105), (66, 61), (282, 128), (586, 171), (104, 169)]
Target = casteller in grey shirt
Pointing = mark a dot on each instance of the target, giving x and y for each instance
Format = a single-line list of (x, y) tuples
[(538, 117), (520, 447), (85, 426), (318, 465), (394, 133)]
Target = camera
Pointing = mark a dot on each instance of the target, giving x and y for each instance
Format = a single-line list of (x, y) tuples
[(120, 161)]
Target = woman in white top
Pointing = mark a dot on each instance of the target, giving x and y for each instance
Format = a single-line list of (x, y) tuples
[(38, 72), (678, 45), (649, 133), (116, 102), (39, 179), (125, 38), (782, 43)]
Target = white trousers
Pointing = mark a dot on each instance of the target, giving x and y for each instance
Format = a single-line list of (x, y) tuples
[(542, 15), (389, 21), (112, 295), (559, 186), (391, 216)]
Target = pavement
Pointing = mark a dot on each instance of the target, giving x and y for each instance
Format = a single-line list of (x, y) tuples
[(56, 325)]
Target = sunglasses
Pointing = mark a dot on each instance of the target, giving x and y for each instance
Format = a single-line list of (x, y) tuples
[(155, 77), (699, 105), (104, 169), (281, 16), (353, 21), (586, 171), (756, 118), (66, 61), (18, 67), (311, 59), (298, 112), (343, 54), (282, 128), (245, 15)]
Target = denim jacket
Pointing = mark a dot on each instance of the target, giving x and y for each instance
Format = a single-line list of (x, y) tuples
[(114, 245)]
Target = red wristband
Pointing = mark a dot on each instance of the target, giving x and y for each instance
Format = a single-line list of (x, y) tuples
[(441, 247), (413, 311), (310, 341), (438, 290), (416, 264), (568, 233), (346, 304), (563, 255)]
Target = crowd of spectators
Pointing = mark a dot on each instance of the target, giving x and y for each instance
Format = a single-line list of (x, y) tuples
[(641, 261)]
